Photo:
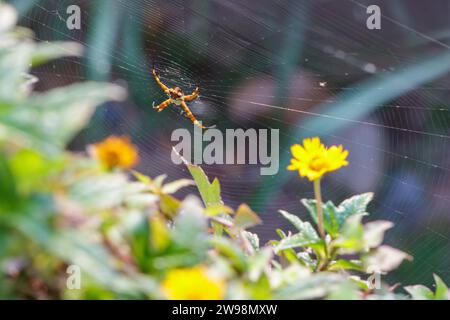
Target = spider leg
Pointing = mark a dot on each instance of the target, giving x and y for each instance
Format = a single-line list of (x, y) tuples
[(190, 115), (162, 105), (166, 89), (192, 96)]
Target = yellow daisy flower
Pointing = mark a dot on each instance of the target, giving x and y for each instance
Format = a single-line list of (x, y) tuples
[(192, 284), (313, 159), (116, 152)]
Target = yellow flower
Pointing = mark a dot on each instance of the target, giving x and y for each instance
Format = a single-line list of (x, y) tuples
[(313, 159), (116, 152), (192, 284)]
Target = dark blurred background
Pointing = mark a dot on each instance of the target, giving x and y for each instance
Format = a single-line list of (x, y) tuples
[(314, 68)]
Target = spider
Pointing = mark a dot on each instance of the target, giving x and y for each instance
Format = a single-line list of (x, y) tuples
[(178, 98)]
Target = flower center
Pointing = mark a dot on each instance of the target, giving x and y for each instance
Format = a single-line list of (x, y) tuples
[(318, 163), (112, 158)]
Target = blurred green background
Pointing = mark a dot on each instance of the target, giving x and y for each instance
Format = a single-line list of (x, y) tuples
[(308, 68)]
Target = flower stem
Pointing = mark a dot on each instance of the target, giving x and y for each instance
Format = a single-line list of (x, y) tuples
[(318, 195)]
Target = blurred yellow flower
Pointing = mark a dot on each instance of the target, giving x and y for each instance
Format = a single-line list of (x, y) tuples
[(116, 152), (313, 159), (192, 284)]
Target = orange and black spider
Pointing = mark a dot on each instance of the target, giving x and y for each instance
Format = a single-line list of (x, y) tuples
[(178, 98)]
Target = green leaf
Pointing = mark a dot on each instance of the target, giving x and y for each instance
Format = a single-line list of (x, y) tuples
[(252, 238), (210, 192), (346, 265), (289, 254), (442, 292), (8, 192), (189, 238), (306, 259), (176, 185), (48, 121), (32, 170), (259, 290), (169, 205), (374, 232), (139, 200), (347, 290), (190, 227), (159, 180), (77, 248), (160, 235), (14, 64), (334, 217), (139, 238), (316, 286), (356, 204), (386, 258), (293, 219), (362, 284), (330, 221), (230, 250), (306, 236), (298, 240), (141, 177), (259, 262), (16, 59), (216, 210), (156, 185), (302, 227), (99, 191), (351, 238), (72, 106), (420, 292), (44, 52), (245, 217)]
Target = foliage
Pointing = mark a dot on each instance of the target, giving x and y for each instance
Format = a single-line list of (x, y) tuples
[(131, 236)]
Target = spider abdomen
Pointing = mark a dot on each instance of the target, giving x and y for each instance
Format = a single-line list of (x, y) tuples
[(177, 102)]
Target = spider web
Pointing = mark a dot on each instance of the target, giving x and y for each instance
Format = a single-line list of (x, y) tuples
[(269, 65)]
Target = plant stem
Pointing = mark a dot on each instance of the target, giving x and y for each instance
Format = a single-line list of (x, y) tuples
[(318, 195)]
